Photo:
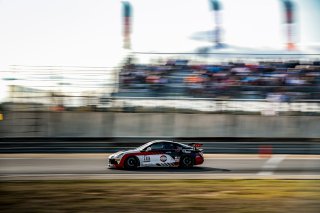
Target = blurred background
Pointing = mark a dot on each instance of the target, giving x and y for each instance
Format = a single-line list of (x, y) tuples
[(198, 68), (81, 79)]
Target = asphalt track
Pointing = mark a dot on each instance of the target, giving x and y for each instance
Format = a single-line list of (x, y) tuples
[(216, 166)]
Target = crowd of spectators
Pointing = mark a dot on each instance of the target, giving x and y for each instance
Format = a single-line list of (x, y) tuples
[(265, 80)]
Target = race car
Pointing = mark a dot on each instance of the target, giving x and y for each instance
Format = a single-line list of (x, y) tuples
[(158, 153)]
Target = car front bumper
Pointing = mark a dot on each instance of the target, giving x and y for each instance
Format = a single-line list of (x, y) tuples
[(114, 163)]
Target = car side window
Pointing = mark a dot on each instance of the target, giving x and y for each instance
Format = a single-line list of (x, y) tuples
[(169, 146), (178, 148), (156, 146), (172, 147)]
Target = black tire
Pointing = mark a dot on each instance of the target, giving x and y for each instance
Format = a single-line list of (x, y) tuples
[(186, 161), (131, 163)]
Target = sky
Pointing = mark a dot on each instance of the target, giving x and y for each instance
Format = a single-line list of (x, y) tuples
[(89, 32)]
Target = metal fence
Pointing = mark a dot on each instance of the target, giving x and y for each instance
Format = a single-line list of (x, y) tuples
[(54, 86)]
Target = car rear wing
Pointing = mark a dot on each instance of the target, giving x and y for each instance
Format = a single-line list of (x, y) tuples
[(196, 145)]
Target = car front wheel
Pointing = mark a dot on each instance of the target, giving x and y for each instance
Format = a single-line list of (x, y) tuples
[(131, 163)]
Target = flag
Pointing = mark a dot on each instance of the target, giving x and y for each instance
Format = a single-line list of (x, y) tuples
[(289, 20), (215, 5), (216, 8), (127, 15), (289, 7)]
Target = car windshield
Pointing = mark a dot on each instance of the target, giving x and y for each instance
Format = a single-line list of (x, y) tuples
[(144, 146)]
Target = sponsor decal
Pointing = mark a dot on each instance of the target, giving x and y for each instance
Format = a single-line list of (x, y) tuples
[(163, 158), (146, 158)]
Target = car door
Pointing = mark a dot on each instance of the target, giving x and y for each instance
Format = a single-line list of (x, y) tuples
[(150, 155), (158, 154), (166, 158)]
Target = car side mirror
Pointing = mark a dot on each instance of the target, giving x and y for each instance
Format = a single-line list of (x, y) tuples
[(148, 149)]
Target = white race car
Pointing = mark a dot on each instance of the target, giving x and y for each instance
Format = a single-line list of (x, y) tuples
[(159, 153)]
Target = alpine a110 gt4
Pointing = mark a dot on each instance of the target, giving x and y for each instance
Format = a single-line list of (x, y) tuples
[(159, 153)]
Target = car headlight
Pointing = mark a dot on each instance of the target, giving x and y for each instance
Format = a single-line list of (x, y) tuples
[(120, 155)]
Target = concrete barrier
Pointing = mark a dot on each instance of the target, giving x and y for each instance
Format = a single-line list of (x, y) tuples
[(110, 124)]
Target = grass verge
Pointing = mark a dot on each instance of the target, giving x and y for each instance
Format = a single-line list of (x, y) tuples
[(161, 196)]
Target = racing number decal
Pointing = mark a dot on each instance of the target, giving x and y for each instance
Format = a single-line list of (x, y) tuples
[(146, 158)]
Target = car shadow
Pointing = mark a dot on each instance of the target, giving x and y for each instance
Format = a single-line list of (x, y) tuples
[(179, 170)]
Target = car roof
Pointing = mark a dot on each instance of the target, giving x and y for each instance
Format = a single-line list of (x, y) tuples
[(159, 141), (167, 141)]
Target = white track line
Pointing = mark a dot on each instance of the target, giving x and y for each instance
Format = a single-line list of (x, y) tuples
[(271, 164), (149, 176)]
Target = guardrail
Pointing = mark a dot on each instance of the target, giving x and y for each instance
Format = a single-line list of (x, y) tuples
[(210, 145)]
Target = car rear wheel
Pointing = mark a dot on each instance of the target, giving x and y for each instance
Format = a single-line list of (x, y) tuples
[(186, 162), (131, 163)]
